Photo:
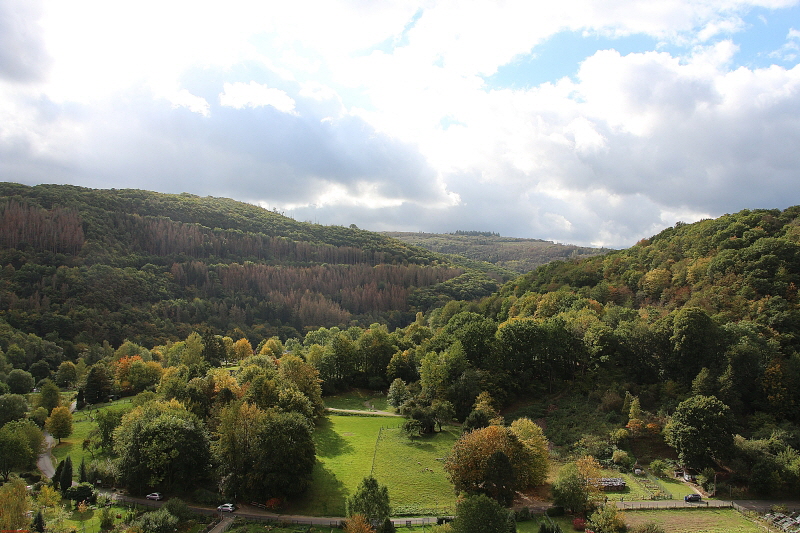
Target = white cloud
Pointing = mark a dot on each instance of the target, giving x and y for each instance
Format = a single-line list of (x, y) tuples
[(196, 104), (241, 95)]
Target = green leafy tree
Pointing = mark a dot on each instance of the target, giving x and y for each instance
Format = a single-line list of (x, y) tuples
[(59, 423), (700, 430), (14, 451), (531, 435), (570, 489), (500, 478), (480, 514), (245, 431), (607, 520), (98, 385), (161, 443), (398, 393), (20, 381), (160, 521), (67, 374), (49, 395), (371, 500), (107, 421)]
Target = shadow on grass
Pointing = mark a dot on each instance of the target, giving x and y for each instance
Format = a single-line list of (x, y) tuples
[(329, 443), (326, 497)]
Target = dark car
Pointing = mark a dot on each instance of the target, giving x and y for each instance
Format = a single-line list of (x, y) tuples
[(691, 498)]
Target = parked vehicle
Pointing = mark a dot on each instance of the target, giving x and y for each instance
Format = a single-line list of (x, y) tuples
[(226, 508), (155, 496), (692, 498)]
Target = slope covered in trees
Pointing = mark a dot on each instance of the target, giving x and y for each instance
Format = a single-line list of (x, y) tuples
[(510, 253), (80, 266)]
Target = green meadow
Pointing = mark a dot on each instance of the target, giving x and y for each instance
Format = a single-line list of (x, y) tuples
[(411, 469)]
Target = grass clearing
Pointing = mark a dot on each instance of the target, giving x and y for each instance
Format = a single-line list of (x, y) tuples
[(346, 446), (82, 424), (358, 399), (413, 470), (695, 520)]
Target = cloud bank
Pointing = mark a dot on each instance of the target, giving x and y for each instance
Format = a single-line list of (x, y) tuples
[(387, 116)]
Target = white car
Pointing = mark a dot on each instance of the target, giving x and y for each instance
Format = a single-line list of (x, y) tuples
[(226, 508), (155, 496)]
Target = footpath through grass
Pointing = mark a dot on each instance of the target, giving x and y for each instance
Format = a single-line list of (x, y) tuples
[(411, 469)]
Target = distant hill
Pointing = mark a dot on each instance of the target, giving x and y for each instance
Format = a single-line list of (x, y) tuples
[(515, 254), (82, 265)]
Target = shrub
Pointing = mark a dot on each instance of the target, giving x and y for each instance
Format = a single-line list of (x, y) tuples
[(524, 514), (579, 524), (555, 510), (658, 468), (550, 528)]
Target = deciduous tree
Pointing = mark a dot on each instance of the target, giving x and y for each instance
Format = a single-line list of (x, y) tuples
[(480, 514), (59, 423), (371, 500), (700, 430)]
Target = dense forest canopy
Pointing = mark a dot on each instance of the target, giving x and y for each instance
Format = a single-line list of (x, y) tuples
[(512, 254), (86, 266)]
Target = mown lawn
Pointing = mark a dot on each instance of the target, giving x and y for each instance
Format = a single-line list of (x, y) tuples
[(413, 470), (358, 399), (695, 520)]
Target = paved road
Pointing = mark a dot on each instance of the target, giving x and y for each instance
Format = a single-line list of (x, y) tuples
[(45, 460)]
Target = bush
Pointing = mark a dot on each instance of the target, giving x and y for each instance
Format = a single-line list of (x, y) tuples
[(550, 528), (579, 524), (555, 510), (207, 497), (658, 468), (524, 514), (82, 492), (178, 508)]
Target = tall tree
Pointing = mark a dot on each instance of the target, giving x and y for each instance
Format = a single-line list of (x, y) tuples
[(65, 480), (49, 395), (701, 431), (59, 423), (161, 443), (14, 452), (371, 500), (480, 514), (14, 505)]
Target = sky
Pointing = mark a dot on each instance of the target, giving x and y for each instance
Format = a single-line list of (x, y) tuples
[(590, 122)]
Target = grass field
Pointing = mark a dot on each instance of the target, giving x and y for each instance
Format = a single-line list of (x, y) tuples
[(413, 470), (346, 446), (82, 425), (358, 399), (695, 520)]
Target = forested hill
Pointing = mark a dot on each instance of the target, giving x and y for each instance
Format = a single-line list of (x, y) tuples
[(84, 266), (742, 266), (515, 254)]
